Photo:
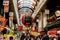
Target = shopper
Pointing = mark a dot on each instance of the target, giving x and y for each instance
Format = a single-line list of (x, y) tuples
[(22, 37), (11, 38), (28, 37)]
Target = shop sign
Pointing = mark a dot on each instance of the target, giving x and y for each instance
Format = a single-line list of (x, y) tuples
[(6, 3)]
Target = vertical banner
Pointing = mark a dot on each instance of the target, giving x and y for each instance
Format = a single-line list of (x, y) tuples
[(6, 9), (6, 6)]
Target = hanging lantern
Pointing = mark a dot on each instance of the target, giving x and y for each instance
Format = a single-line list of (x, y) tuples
[(20, 28), (2, 23), (6, 9)]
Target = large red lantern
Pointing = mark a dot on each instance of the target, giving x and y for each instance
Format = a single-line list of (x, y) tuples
[(20, 28), (26, 21)]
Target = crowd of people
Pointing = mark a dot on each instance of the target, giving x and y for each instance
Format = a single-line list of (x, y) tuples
[(41, 36)]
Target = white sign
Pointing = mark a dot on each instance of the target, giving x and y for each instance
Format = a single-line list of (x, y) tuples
[(6, 3)]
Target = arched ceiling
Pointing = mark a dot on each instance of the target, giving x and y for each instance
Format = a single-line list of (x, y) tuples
[(27, 3), (35, 5)]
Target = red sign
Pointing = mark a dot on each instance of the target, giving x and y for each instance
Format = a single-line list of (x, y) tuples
[(52, 32)]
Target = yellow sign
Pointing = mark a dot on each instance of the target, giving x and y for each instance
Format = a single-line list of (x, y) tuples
[(34, 33)]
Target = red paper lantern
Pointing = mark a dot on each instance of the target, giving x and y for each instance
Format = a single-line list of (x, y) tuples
[(20, 28)]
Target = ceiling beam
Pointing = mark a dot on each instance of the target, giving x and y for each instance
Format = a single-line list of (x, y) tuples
[(39, 7)]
